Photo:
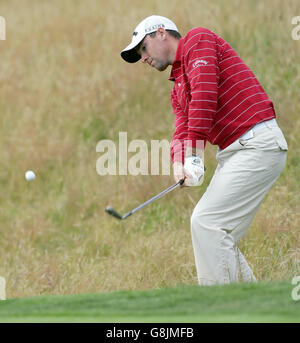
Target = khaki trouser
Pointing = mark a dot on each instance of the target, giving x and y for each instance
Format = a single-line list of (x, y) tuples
[(246, 171)]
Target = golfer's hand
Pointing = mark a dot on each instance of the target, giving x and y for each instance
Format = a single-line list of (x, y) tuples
[(193, 171), (178, 171)]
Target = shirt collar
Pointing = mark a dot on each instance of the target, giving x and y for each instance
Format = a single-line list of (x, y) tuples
[(177, 61)]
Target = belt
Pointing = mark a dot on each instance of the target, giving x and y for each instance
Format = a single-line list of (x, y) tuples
[(250, 133)]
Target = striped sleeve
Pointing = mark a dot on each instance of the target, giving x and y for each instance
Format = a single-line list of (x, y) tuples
[(203, 74), (181, 131)]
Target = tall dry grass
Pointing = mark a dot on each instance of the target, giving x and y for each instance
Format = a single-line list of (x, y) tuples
[(63, 87)]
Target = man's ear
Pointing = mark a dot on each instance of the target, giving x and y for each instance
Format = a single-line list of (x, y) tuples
[(161, 33)]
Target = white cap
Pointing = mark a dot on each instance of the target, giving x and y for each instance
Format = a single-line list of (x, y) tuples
[(148, 25)]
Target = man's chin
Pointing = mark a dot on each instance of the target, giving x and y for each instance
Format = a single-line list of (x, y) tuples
[(161, 67)]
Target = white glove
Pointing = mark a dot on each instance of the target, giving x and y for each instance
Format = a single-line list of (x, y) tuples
[(194, 170)]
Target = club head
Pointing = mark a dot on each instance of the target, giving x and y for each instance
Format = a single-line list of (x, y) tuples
[(113, 212)]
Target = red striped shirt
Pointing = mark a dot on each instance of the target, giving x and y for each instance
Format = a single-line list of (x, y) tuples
[(216, 97)]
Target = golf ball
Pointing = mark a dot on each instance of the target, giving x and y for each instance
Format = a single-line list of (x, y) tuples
[(29, 175)]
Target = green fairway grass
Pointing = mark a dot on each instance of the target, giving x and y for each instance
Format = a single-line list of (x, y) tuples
[(260, 302)]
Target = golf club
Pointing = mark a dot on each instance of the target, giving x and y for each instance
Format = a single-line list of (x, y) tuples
[(115, 214)]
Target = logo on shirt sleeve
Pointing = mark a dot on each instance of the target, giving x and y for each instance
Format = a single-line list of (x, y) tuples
[(198, 63)]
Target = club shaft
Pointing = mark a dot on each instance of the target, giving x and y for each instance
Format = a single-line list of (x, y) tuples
[(153, 199)]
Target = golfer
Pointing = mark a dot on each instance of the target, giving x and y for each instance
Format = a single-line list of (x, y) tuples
[(216, 98)]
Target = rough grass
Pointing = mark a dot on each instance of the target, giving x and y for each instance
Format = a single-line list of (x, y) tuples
[(64, 87)]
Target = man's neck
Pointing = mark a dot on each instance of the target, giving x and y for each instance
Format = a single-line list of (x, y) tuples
[(173, 49)]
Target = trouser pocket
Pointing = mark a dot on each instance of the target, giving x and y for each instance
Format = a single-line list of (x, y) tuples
[(279, 137)]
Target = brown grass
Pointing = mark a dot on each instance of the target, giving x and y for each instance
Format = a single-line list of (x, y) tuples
[(64, 87)]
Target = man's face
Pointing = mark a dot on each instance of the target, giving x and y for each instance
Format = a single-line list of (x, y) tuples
[(154, 51)]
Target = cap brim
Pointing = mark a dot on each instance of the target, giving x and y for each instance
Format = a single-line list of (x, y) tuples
[(129, 54)]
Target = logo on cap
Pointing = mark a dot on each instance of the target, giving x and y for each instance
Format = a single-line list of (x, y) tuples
[(135, 33), (154, 27)]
